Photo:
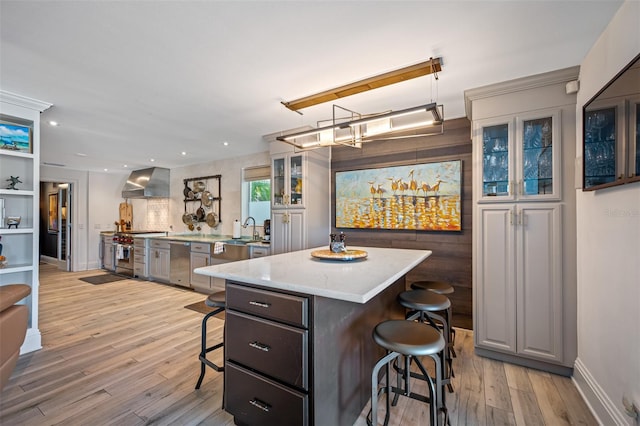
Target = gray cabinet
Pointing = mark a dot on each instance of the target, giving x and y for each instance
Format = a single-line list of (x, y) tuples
[(159, 260), (301, 199), (200, 257), (524, 250), (107, 252)]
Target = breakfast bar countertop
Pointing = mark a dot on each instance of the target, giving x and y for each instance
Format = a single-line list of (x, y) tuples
[(354, 281)]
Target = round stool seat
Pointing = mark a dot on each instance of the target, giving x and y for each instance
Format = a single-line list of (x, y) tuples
[(439, 287), (216, 300), (424, 300), (408, 338)]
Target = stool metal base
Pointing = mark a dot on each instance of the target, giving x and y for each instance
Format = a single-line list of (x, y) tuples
[(434, 411), (204, 362)]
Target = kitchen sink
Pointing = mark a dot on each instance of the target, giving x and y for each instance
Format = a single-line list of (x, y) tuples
[(237, 242), (240, 242)]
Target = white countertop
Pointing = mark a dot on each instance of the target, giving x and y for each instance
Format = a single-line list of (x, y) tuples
[(354, 281)]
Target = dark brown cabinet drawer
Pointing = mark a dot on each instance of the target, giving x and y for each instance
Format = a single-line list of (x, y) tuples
[(268, 304), (254, 400), (277, 350)]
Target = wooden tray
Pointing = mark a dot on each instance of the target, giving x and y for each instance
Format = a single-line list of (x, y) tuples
[(347, 255)]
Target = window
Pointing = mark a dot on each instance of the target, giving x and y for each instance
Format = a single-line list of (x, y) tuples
[(256, 193)]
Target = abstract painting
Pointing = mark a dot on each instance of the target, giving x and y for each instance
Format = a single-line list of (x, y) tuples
[(422, 197)]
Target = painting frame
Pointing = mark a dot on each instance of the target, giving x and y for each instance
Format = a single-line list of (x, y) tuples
[(416, 197), (16, 137), (52, 225)]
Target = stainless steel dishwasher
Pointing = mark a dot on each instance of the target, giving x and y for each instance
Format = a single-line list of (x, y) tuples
[(180, 258)]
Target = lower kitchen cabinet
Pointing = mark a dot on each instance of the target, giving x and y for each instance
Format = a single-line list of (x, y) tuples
[(199, 281), (266, 356), (159, 260), (518, 281), (288, 231), (257, 400)]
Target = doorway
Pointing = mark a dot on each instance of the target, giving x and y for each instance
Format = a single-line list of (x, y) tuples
[(55, 224)]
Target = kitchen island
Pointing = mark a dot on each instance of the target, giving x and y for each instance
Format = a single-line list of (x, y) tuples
[(298, 345)]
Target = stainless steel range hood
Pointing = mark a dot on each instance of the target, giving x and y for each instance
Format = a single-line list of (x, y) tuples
[(147, 183)]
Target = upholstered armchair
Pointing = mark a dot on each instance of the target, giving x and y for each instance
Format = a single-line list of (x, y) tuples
[(13, 327)]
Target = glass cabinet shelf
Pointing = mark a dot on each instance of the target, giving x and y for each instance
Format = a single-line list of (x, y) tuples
[(521, 164), (495, 164), (600, 134)]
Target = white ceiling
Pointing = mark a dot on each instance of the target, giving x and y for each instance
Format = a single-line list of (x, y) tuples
[(135, 80)]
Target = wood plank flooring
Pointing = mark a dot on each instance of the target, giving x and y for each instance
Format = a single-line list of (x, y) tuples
[(125, 353)]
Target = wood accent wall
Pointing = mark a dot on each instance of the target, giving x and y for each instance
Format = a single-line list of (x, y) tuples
[(451, 258)]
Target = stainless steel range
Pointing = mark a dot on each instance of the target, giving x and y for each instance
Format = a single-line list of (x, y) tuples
[(123, 250)]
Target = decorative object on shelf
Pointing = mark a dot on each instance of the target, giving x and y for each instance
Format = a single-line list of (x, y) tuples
[(3, 261), (421, 197), (14, 137), (345, 255), (13, 221), (14, 181)]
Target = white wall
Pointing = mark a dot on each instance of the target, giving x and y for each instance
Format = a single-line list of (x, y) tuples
[(231, 171), (95, 201), (97, 196), (608, 229)]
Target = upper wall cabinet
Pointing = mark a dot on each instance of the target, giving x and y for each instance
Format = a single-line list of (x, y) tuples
[(520, 164), (611, 123)]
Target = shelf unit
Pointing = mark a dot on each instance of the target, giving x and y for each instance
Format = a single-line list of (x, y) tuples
[(216, 199), (21, 244)]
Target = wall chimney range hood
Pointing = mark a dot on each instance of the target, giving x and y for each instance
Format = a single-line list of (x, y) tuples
[(147, 183)]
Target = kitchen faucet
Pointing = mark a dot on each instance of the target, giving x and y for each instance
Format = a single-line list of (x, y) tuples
[(246, 223)]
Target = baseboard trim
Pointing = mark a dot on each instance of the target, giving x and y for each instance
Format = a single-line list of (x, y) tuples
[(32, 341), (560, 370), (601, 406)]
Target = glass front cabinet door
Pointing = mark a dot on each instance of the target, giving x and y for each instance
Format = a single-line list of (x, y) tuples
[(287, 177), (601, 145), (523, 164)]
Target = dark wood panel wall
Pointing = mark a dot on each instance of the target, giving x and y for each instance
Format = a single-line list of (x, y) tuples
[(451, 258)]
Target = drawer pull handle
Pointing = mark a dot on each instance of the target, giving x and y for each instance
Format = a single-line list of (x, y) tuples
[(261, 405), (260, 346), (261, 304)]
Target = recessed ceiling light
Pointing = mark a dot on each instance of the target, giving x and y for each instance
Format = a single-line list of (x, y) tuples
[(80, 154), (106, 170), (184, 153), (125, 166), (152, 160), (225, 143), (53, 123)]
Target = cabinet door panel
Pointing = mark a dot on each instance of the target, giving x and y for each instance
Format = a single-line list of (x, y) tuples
[(539, 281), (256, 400), (495, 278), (279, 234), (297, 237), (538, 156), (198, 280), (274, 349)]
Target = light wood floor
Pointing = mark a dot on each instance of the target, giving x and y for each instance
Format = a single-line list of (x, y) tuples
[(125, 353)]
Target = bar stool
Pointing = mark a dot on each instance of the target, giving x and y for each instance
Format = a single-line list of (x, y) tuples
[(427, 306), (215, 300), (439, 287), (409, 339)]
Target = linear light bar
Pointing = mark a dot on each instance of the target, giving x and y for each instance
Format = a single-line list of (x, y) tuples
[(432, 66)]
